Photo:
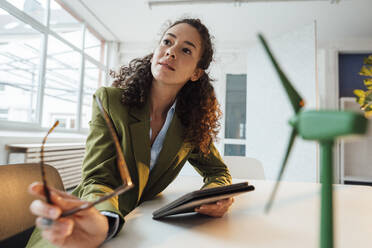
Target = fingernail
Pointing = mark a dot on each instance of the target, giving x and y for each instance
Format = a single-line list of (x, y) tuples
[(53, 213), (46, 222), (32, 186)]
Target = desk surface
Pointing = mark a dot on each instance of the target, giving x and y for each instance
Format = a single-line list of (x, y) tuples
[(292, 222)]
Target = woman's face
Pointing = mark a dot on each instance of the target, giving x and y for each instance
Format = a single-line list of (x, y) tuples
[(175, 59)]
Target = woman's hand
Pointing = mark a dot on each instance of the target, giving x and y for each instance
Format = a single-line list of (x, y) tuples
[(217, 209), (86, 228)]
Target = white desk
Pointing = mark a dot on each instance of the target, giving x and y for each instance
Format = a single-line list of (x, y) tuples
[(293, 221)]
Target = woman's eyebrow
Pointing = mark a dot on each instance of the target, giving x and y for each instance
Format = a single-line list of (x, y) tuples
[(187, 42)]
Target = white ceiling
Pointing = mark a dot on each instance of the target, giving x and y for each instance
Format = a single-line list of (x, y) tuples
[(133, 21)]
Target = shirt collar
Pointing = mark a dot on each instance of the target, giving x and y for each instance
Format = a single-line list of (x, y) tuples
[(173, 107)]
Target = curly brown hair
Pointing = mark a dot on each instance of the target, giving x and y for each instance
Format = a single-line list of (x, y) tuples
[(197, 106)]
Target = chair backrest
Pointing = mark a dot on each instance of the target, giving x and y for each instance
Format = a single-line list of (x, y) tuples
[(244, 167), (15, 200)]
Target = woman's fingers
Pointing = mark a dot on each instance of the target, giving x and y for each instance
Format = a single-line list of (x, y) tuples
[(46, 223), (37, 189), (65, 194), (225, 202), (65, 203), (217, 209), (64, 231), (221, 204), (211, 211), (58, 231), (45, 210), (62, 226), (62, 200)]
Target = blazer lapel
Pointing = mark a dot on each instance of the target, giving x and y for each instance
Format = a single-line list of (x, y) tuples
[(141, 144), (171, 147)]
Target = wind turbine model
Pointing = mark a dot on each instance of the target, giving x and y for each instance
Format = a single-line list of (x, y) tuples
[(324, 127)]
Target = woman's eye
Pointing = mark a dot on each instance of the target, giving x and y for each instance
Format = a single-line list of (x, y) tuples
[(186, 50), (166, 42)]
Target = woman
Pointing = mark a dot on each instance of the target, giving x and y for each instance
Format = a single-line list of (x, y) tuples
[(165, 112)]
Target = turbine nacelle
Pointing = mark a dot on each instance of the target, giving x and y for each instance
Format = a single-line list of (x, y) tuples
[(328, 125)]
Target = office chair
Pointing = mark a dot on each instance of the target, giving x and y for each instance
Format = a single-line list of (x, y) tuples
[(244, 167), (16, 220)]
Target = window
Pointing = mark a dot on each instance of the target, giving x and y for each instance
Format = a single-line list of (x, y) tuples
[(235, 114), (62, 82), (34, 8), (234, 150), (349, 68), (235, 106), (93, 46), (355, 156), (92, 80), (63, 23), (41, 73), (19, 68)]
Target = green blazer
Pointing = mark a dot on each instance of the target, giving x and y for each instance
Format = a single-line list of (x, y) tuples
[(100, 173)]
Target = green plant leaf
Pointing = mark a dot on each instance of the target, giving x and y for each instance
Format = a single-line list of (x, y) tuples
[(368, 83), (368, 60), (368, 96), (360, 96), (364, 98), (359, 93), (366, 71)]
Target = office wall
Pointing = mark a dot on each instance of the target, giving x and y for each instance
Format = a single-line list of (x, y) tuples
[(268, 107)]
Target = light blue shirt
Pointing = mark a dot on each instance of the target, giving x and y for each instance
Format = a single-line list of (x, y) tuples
[(158, 142)]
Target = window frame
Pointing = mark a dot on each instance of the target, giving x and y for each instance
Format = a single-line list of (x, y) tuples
[(46, 32), (233, 141)]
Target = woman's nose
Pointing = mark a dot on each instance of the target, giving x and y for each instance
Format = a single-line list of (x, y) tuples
[(171, 53)]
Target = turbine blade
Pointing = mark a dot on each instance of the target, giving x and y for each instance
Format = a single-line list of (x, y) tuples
[(273, 193), (294, 97)]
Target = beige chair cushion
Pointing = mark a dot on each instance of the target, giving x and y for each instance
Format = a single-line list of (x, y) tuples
[(15, 200), (244, 167)]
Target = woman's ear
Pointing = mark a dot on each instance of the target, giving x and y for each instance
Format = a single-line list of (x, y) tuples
[(197, 74)]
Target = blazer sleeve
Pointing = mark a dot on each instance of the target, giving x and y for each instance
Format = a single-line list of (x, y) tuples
[(210, 167), (100, 175), (99, 170)]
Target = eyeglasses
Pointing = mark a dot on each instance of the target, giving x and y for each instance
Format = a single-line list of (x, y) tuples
[(122, 167)]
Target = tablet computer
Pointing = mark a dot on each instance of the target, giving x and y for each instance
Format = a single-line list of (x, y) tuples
[(187, 203)]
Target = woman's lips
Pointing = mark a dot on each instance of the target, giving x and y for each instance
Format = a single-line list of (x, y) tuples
[(167, 66)]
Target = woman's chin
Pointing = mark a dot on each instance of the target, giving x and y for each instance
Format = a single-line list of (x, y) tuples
[(168, 82)]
